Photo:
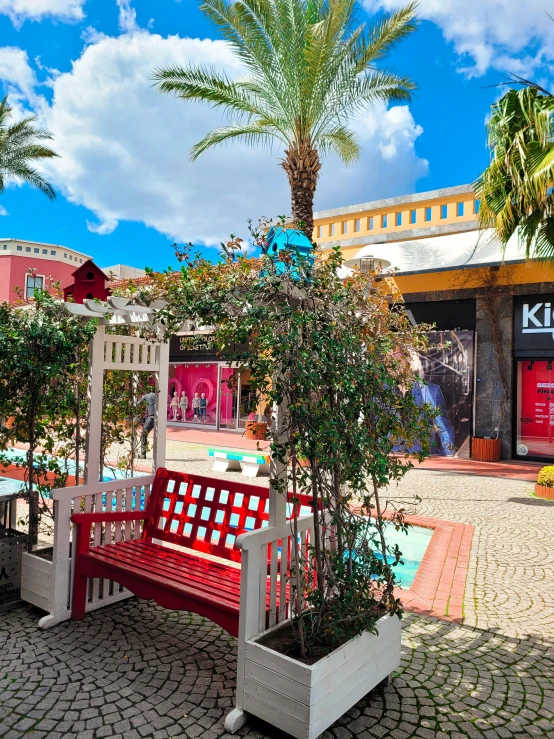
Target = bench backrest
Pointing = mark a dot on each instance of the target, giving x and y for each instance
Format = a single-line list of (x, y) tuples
[(208, 514)]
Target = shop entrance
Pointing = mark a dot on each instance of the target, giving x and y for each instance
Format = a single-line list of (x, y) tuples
[(535, 409), (210, 394)]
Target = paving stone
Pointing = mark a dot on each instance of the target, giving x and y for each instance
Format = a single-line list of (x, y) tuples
[(137, 671)]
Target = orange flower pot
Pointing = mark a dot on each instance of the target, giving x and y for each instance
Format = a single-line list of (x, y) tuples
[(485, 450), (542, 491)]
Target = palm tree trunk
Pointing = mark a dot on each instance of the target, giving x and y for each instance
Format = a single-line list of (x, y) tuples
[(302, 166)]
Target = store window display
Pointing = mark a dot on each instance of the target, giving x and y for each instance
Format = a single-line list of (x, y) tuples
[(198, 382), (535, 408)]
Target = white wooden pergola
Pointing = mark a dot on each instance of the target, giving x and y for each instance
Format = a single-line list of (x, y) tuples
[(51, 589)]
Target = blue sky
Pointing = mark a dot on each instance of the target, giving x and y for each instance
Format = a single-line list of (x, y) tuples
[(126, 188)]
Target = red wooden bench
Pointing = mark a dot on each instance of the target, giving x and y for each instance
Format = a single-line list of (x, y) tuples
[(200, 514)]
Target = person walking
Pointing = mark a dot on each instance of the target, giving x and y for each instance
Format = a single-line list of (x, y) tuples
[(148, 425)]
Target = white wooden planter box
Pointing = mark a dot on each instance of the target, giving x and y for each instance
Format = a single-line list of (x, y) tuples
[(304, 700), (36, 581)]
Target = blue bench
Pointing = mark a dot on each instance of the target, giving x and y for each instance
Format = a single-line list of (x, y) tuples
[(251, 463)]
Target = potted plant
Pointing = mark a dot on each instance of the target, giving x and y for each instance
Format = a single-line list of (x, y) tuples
[(333, 361), (255, 430), (544, 487)]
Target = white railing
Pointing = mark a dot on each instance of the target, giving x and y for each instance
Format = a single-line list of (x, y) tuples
[(130, 494)]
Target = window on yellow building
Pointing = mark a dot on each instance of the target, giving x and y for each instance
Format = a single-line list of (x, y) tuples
[(428, 214), (331, 229), (370, 224), (459, 209), (357, 224), (413, 216), (319, 232), (476, 206), (398, 219), (344, 229), (384, 221), (444, 211)]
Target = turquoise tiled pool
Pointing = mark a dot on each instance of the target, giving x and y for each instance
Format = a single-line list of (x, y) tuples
[(413, 546)]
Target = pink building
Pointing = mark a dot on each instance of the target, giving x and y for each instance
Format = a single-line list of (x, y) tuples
[(51, 263)]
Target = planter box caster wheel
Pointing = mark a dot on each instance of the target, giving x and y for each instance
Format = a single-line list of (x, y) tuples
[(387, 682)]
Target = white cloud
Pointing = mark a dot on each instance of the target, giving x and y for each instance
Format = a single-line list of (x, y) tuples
[(21, 10), (389, 164), (15, 69), (3, 211), (125, 149), (127, 16), (493, 33)]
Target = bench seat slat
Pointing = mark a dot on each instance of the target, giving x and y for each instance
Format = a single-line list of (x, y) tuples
[(182, 570)]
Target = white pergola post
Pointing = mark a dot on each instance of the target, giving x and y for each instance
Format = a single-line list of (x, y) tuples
[(95, 393), (160, 424)]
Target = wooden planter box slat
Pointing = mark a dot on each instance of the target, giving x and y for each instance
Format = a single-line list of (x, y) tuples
[(486, 450), (304, 700), (36, 581)]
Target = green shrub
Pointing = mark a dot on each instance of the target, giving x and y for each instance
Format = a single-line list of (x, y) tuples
[(546, 477)]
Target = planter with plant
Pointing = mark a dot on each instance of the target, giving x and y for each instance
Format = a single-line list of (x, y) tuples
[(544, 487), (255, 430), (333, 361)]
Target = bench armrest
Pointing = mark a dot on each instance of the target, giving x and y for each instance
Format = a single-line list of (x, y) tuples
[(107, 516), (84, 521)]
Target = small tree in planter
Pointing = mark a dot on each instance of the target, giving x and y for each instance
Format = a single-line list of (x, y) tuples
[(333, 356), (40, 346)]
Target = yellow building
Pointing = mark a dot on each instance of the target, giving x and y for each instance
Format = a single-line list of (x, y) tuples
[(492, 307)]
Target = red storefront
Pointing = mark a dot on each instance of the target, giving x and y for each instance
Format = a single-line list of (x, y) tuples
[(224, 396), (534, 377)]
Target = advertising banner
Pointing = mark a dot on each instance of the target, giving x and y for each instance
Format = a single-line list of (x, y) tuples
[(447, 371)]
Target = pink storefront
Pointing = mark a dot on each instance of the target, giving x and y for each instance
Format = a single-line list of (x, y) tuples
[(203, 392)]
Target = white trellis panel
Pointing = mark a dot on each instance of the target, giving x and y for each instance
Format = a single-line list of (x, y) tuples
[(130, 494), (131, 353)]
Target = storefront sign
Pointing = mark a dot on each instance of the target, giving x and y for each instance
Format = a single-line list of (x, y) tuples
[(203, 343), (198, 348), (534, 325)]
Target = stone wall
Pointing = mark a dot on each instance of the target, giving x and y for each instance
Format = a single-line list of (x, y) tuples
[(490, 412)]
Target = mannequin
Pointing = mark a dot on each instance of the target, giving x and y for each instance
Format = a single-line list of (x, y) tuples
[(183, 405), (196, 406), (203, 407), (174, 406)]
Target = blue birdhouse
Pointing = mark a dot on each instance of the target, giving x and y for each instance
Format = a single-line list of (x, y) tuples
[(281, 239)]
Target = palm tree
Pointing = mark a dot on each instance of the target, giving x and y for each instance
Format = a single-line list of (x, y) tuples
[(20, 146), (309, 68), (516, 189)]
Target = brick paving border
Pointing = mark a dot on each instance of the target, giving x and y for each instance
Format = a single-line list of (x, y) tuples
[(439, 584)]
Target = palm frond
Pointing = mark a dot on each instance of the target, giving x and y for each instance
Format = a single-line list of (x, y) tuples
[(343, 142), (251, 134), (21, 144)]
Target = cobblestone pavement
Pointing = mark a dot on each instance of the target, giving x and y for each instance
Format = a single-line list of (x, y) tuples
[(135, 670)]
